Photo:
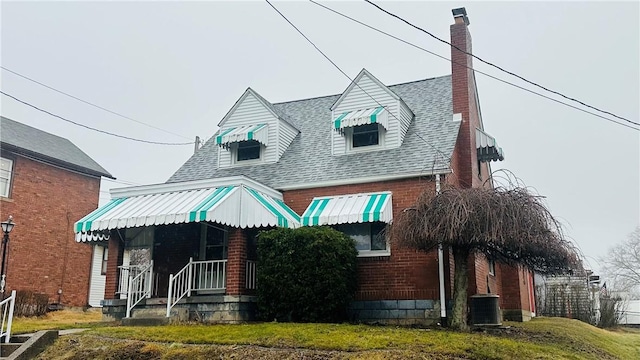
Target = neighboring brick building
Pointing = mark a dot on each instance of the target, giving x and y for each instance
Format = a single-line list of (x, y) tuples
[(353, 161), (46, 184)]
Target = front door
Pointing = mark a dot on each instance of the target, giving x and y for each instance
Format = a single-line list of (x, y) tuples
[(173, 246)]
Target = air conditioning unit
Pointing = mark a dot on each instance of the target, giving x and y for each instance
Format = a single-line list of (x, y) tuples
[(485, 310)]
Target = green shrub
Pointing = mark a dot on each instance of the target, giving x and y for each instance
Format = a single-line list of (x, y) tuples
[(305, 275)]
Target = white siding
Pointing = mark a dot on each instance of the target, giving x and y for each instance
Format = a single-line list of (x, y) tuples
[(96, 286), (287, 134), (251, 111), (365, 95), (406, 115)]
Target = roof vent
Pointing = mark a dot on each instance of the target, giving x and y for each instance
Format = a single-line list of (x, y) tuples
[(461, 12)]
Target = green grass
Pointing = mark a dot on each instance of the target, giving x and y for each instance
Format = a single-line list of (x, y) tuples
[(57, 320), (541, 338)]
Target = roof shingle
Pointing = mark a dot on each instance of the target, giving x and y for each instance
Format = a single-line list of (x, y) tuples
[(27, 140), (427, 146)]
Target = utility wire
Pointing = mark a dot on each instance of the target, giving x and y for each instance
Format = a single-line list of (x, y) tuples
[(470, 68), (500, 68), (348, 77), (89, 127), (92, 104)]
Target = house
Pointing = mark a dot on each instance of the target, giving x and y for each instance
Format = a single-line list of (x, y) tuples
[(353, 161), (46, 184)]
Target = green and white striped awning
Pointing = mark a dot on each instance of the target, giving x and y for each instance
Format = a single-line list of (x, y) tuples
[(236, 206), (259, 133), (487, 147), (353, 208), (377, 115)]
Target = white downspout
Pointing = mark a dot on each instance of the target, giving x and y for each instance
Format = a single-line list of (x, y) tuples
[(443, 303)]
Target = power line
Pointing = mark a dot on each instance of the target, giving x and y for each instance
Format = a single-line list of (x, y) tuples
[(471, 68), (89, 127), (500, 68), (120, 181), (92, 104), (348, 77)]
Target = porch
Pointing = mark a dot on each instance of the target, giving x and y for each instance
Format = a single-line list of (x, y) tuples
[(196, 293), (187, 250)]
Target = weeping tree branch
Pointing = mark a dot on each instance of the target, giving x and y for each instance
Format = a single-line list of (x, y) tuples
[(508, 225)]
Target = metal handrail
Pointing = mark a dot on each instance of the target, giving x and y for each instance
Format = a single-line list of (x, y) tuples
[(139, 287), (125, 271), (7, 307), (196, 276)]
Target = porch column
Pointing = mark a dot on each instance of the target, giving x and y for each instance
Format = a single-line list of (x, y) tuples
[(236, 262), (115, 258)]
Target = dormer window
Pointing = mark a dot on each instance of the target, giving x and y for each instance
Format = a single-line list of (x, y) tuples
[(365, 135), (248, 150), (368, 117)]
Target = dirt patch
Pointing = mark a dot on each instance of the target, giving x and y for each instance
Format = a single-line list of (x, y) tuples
[(81, 347)]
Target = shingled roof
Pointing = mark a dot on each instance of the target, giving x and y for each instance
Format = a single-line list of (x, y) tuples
[(427, 147), (29, 141)]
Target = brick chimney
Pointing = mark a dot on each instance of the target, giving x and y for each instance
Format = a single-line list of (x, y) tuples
[(465, 103)]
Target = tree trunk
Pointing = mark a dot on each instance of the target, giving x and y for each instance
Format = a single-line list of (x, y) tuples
[(460, 284)]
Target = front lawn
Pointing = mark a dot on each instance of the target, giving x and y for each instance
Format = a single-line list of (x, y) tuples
[(541, 338)]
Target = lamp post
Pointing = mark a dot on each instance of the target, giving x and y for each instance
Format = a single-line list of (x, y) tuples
[(7, 226)]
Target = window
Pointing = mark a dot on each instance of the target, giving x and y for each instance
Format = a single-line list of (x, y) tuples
[(248, 150), (6, 167), (365, 135), (370, 238), (492, 267), (105, 259)]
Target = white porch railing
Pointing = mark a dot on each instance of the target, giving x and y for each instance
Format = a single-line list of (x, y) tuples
[(250, 277), (196, 276), (124, 272), (6, 307), (127, 271), (139, 287)]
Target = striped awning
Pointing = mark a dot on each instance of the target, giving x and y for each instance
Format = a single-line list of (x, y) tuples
[(487, 147), (353, 208), (236, 206), (259, 133), (362, 117)]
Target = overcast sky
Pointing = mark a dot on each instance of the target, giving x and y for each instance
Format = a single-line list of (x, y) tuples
[(181, 66)]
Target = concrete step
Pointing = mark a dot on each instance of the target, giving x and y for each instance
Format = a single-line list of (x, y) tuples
[(27, 347), (142, 321), (148, 312)]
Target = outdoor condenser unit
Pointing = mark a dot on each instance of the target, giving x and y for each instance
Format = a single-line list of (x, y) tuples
[(485, 310)]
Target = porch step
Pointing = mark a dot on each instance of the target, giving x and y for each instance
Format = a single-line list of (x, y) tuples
[(27, 347), (145, 321), (153, 315)]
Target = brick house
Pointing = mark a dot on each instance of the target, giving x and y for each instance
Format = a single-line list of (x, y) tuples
[(46, 183), (352, 161)]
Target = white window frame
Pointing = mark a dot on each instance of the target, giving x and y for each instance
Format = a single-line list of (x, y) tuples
[(348, 135), (492, 267), (105, 261), (8, 178), (371, 253), (233, 149)]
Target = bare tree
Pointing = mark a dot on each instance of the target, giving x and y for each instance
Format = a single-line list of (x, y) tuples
[(509, 225), (622, 264)]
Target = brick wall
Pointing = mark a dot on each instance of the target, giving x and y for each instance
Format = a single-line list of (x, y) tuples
[(236, 263), (43, 256), (116, 251), (407, 273)]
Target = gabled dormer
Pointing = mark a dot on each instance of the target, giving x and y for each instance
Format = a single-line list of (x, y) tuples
[(253, 133), (368, 116)]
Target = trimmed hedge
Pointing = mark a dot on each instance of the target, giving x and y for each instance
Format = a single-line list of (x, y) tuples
[(305, 275)]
